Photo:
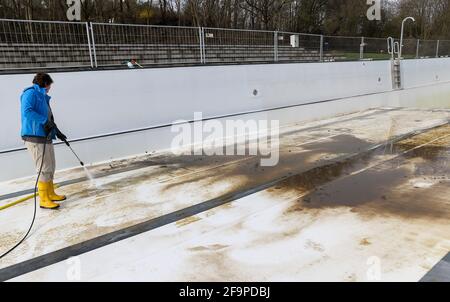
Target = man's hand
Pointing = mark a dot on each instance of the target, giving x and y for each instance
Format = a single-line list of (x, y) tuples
[(60, 135), (49, 126)]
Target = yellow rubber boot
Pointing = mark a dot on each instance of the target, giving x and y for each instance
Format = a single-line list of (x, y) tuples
[(53, 196), (45, 201)]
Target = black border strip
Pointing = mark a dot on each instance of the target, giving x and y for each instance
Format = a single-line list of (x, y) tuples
[(101, 241), (440, 272), (42, 261)]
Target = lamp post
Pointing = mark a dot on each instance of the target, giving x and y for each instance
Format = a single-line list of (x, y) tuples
[(401, 35)]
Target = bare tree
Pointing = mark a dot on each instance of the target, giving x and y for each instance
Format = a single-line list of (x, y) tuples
[(335, 17), (264, 11)]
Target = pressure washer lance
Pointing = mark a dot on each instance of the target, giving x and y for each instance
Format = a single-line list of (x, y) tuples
[(70, 147)]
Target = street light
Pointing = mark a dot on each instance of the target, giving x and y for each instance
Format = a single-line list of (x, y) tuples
[(401, 35)]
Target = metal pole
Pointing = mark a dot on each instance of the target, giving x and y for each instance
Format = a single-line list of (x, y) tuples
[(93, 45), (321, 48), (418, 48), (437, 48), (361, 49), (89, 44), (203, 45), (401, 35), (200, 44), (275, 46)]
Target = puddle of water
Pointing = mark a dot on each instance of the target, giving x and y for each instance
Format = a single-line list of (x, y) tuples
[(385, 189)]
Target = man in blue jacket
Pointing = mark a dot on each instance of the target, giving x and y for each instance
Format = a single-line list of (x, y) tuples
[(39, 130)]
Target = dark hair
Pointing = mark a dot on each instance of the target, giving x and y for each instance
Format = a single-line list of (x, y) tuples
[(42, 79)]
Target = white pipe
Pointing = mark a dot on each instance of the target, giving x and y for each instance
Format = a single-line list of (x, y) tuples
[(401, 35)]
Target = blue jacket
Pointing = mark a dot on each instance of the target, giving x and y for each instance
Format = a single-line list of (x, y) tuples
[(34, 111)]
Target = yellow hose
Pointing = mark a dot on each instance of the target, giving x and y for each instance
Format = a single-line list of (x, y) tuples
[(16, 202), (23, 199)]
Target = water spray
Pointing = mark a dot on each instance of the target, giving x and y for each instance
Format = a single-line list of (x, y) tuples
[(89, 174)]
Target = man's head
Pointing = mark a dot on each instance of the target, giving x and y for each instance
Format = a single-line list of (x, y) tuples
[(43, 80)]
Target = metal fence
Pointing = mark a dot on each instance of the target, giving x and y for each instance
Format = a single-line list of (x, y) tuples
[(37, 44), (45, 44), (298, 47), (444, 48), (341, 48), (237, 46), (427, 49), (149, 45), (375, 49)]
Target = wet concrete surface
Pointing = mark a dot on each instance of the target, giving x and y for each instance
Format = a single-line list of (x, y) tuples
[(334, 222), (409, 183)]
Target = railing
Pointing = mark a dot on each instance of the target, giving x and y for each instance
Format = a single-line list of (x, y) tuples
[(115, 44), (38, 44), (45, 44), (237, 46), (298, 47)]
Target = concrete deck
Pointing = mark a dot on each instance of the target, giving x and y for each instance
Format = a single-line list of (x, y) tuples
[(342, 205)]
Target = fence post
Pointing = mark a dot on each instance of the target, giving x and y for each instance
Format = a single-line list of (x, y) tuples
[(89, 44), (361, 49), (321, 48), (437, 48), (203, 45), (200, 44), (275, 46), (417, 49), (93, 46)]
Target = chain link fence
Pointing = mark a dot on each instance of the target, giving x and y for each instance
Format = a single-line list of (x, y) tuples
[(44, 44)]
